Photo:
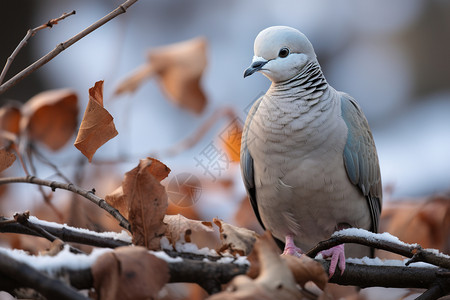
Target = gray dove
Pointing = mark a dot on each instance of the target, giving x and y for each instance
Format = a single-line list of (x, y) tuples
[(308, 158)]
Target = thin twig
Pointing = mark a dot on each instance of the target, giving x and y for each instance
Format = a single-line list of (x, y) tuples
[(63, 46), (47, 197), (23, 220), (65, 233), (30, 33), (73, 188)]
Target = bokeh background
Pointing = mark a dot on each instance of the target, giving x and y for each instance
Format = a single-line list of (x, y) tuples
[(392, 56)]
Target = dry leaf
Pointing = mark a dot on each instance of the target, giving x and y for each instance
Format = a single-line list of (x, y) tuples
[(97, 126), (10, 116), (129, 273), (180, 67), (56, 246), (6, 159), (231, 139), (306, 269), (423, 221), (192, 231), (136, 79), (245, 217), (143, 201), (275, 280), (234, 239), (51, 117), (117, 200)]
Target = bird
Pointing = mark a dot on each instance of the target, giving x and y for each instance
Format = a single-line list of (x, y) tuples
[(308, 158)]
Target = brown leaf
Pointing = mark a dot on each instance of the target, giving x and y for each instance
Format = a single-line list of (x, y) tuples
[(51, 117), (180, 67), (275, 280), (245, 217), (6, 159), (135, 79), (423, 221), (147, 202), (231, 139), (10, 118), (306, 269), (235, 240), (117, 200), (192, 231), (129, 273), (97, 126)]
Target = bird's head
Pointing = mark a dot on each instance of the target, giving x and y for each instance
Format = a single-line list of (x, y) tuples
[(281, 52)]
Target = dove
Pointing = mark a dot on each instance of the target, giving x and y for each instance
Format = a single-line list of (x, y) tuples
[(308, 157)]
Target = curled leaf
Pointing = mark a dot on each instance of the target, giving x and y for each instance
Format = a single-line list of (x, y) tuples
[(129, 273), (235, 240), (192, 231), (50, 117), (97, 126)]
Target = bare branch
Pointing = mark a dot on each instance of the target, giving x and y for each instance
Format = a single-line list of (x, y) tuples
[(65, 233), (30, 33), (415, 251), (20, 274), (23, 220), (90, 195), (63, 46)]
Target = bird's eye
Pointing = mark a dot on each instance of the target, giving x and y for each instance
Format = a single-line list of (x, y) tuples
[(283, 52)]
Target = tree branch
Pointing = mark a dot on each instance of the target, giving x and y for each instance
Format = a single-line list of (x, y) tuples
[(73, 188), (414, 251), (22, 275), (23, 220), (63, 46), (30, 34)]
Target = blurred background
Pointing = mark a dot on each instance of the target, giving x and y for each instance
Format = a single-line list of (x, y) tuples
[(393, 57)]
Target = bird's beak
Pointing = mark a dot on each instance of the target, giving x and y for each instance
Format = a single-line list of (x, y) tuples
[(256, 65)]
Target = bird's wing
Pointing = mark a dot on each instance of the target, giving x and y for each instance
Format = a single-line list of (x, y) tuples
[(247, 162), (360, 157)]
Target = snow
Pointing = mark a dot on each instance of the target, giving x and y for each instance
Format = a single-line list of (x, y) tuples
[(122, 236), (193, 248), (358, 232), (387, 262), (165, 244), (166, 257), (240, 260), (383, 237), (53, 264)]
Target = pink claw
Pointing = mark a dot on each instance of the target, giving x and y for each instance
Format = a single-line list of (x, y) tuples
[(337, 254), (290, 248)]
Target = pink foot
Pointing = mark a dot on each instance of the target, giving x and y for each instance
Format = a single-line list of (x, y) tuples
[(337, 255), (290, 248)]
